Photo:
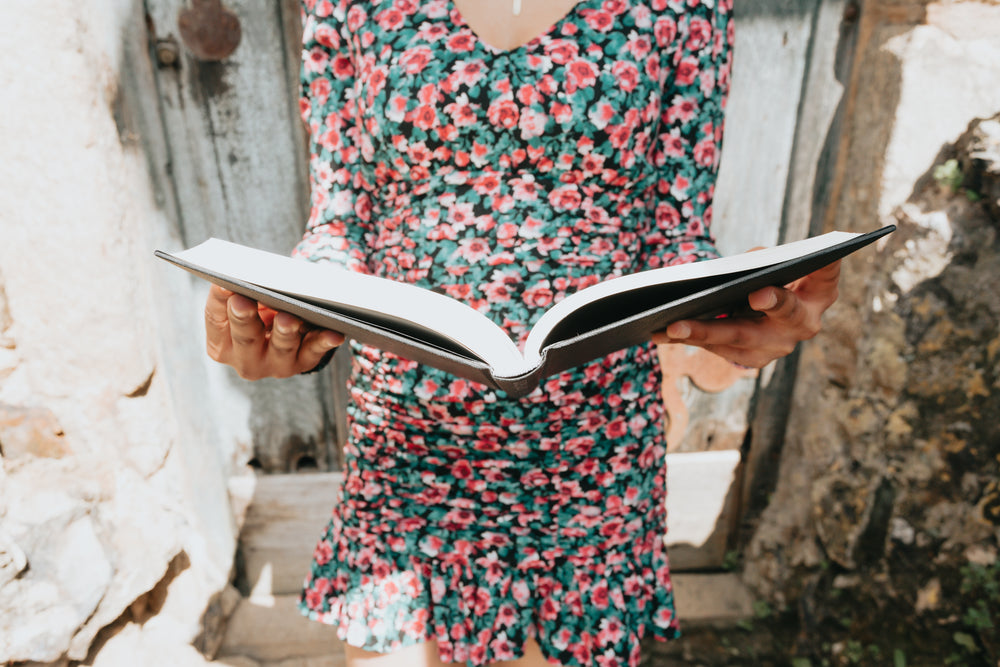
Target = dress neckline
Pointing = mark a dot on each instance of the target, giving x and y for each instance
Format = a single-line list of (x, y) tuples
[(459, 19)]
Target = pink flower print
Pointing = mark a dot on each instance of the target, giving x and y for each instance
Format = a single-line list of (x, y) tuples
[(473, 250), (679, 189), (323, 8), (599, 595), (664, 617), (415, 60), (503, 113), (608, 658), (316, 61), (639, 46), (600, 21), (561, 51), (507, 615), (469, 72), (704, 152), (532, 123), (580, 74), (626, 75), (682, 109), (356, 16), (425, 116), (502, 648), (614, 7), (562, 639), (674, 145), (324, 552), (550, 609), (600, 114), (565, 198), (499, 290), (538, 295), (699, 34), (390, 19), (461, 41), (461, 112), (686, 71), (706, 82)]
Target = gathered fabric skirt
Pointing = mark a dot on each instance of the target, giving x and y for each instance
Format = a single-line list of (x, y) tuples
[(480, 521)]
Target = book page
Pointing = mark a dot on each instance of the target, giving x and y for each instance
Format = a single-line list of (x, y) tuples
[(696, 273), (361, 295)]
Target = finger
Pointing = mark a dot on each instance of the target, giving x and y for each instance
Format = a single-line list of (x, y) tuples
[(745, 358), (315, 344), (785, 309), (283, 344), (820, 287), (218, 341), (248, 335), (735, 332)]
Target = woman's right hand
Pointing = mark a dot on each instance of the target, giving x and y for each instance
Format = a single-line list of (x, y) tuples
[(260, 344)]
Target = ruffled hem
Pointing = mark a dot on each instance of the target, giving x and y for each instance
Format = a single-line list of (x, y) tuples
[(481, 607)]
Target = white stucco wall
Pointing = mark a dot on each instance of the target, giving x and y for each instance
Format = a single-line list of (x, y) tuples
[(146, 451)]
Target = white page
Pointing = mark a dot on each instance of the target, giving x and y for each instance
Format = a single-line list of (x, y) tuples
[(748, 261), (334, 285)]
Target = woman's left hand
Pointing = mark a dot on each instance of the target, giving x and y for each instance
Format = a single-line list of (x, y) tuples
[(788, 315)]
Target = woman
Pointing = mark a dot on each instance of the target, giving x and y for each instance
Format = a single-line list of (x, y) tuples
[(507, 155)]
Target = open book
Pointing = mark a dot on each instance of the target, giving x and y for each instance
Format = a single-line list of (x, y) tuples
[(442, 332)]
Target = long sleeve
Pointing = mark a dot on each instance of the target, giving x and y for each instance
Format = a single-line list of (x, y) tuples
[(340, 224), (697, 48)]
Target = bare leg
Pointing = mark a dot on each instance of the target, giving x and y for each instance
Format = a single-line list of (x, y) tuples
[(421, 655)]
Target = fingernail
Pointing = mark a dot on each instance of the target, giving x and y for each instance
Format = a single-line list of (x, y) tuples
[(679, 330), (772, 300)]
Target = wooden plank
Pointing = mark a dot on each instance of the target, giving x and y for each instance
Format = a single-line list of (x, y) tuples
[(772, 40), (285, 520), (702, 507), (711, 598), (814, 159), (236, 156), (270, 629)]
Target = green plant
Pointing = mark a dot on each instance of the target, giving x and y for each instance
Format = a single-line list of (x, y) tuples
[(978, 617), (762, 609), (949, 175), (982, 580), (854, 651)]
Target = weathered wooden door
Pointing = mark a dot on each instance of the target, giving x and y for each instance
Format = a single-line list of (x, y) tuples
[(227, 80), (238, 171)]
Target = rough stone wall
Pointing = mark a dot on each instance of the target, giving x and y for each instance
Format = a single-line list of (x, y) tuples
[(112, 490), (881, 536)]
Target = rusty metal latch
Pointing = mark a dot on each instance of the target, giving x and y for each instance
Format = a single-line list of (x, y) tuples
[(209, 30)]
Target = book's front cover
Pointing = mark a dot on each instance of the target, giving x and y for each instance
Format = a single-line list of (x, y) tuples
[(727, 298)]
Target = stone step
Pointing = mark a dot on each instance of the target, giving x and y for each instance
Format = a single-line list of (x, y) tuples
[(287, 514)]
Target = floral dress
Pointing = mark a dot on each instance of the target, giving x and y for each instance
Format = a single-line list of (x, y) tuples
[(507, 180)]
